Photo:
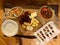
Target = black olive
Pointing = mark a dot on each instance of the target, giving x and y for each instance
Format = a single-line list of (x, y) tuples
[(50, 33), (50, 26), (24, 18), (53, 31)]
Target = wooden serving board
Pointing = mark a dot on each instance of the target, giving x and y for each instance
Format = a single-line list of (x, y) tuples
[(24, 32)]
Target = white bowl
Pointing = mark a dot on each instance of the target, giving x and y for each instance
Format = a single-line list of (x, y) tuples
[(9, 28)]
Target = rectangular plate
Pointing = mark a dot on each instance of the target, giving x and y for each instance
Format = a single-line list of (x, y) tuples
[(47, 32)]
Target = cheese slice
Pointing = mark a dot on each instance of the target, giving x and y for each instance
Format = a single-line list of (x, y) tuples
[(29, 28), (25, 23), (34, 14)]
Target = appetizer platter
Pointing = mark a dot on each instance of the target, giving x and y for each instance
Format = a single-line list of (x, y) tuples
[(30, 20), (27, 19)]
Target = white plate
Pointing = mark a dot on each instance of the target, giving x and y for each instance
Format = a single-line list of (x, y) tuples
[(9, 28), (51, 26)]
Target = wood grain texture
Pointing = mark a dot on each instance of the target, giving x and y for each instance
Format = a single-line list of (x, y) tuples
[(13, 41)]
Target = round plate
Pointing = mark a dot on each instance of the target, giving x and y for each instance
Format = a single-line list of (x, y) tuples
[(9, 28)]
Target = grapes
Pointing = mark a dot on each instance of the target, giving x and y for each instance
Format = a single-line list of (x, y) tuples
[(24, 18)]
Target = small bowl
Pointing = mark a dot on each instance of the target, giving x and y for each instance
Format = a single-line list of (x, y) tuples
[(15, 12), (48, 11)]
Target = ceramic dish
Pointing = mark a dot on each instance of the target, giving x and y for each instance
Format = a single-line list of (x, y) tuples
[(9, 28), (15, 12), (46, 12)]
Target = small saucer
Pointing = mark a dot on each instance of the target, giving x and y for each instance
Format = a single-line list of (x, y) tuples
[(9, 28)]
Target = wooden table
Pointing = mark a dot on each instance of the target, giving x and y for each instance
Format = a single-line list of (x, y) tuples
[(13, 41)]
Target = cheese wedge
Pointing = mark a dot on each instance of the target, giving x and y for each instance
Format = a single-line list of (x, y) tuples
[(34, 14), (36, 20), (25, 23), (33, 25), (29, 28)]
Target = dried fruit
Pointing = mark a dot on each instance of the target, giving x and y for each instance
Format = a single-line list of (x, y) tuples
[(24, 18), (34, 14)]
